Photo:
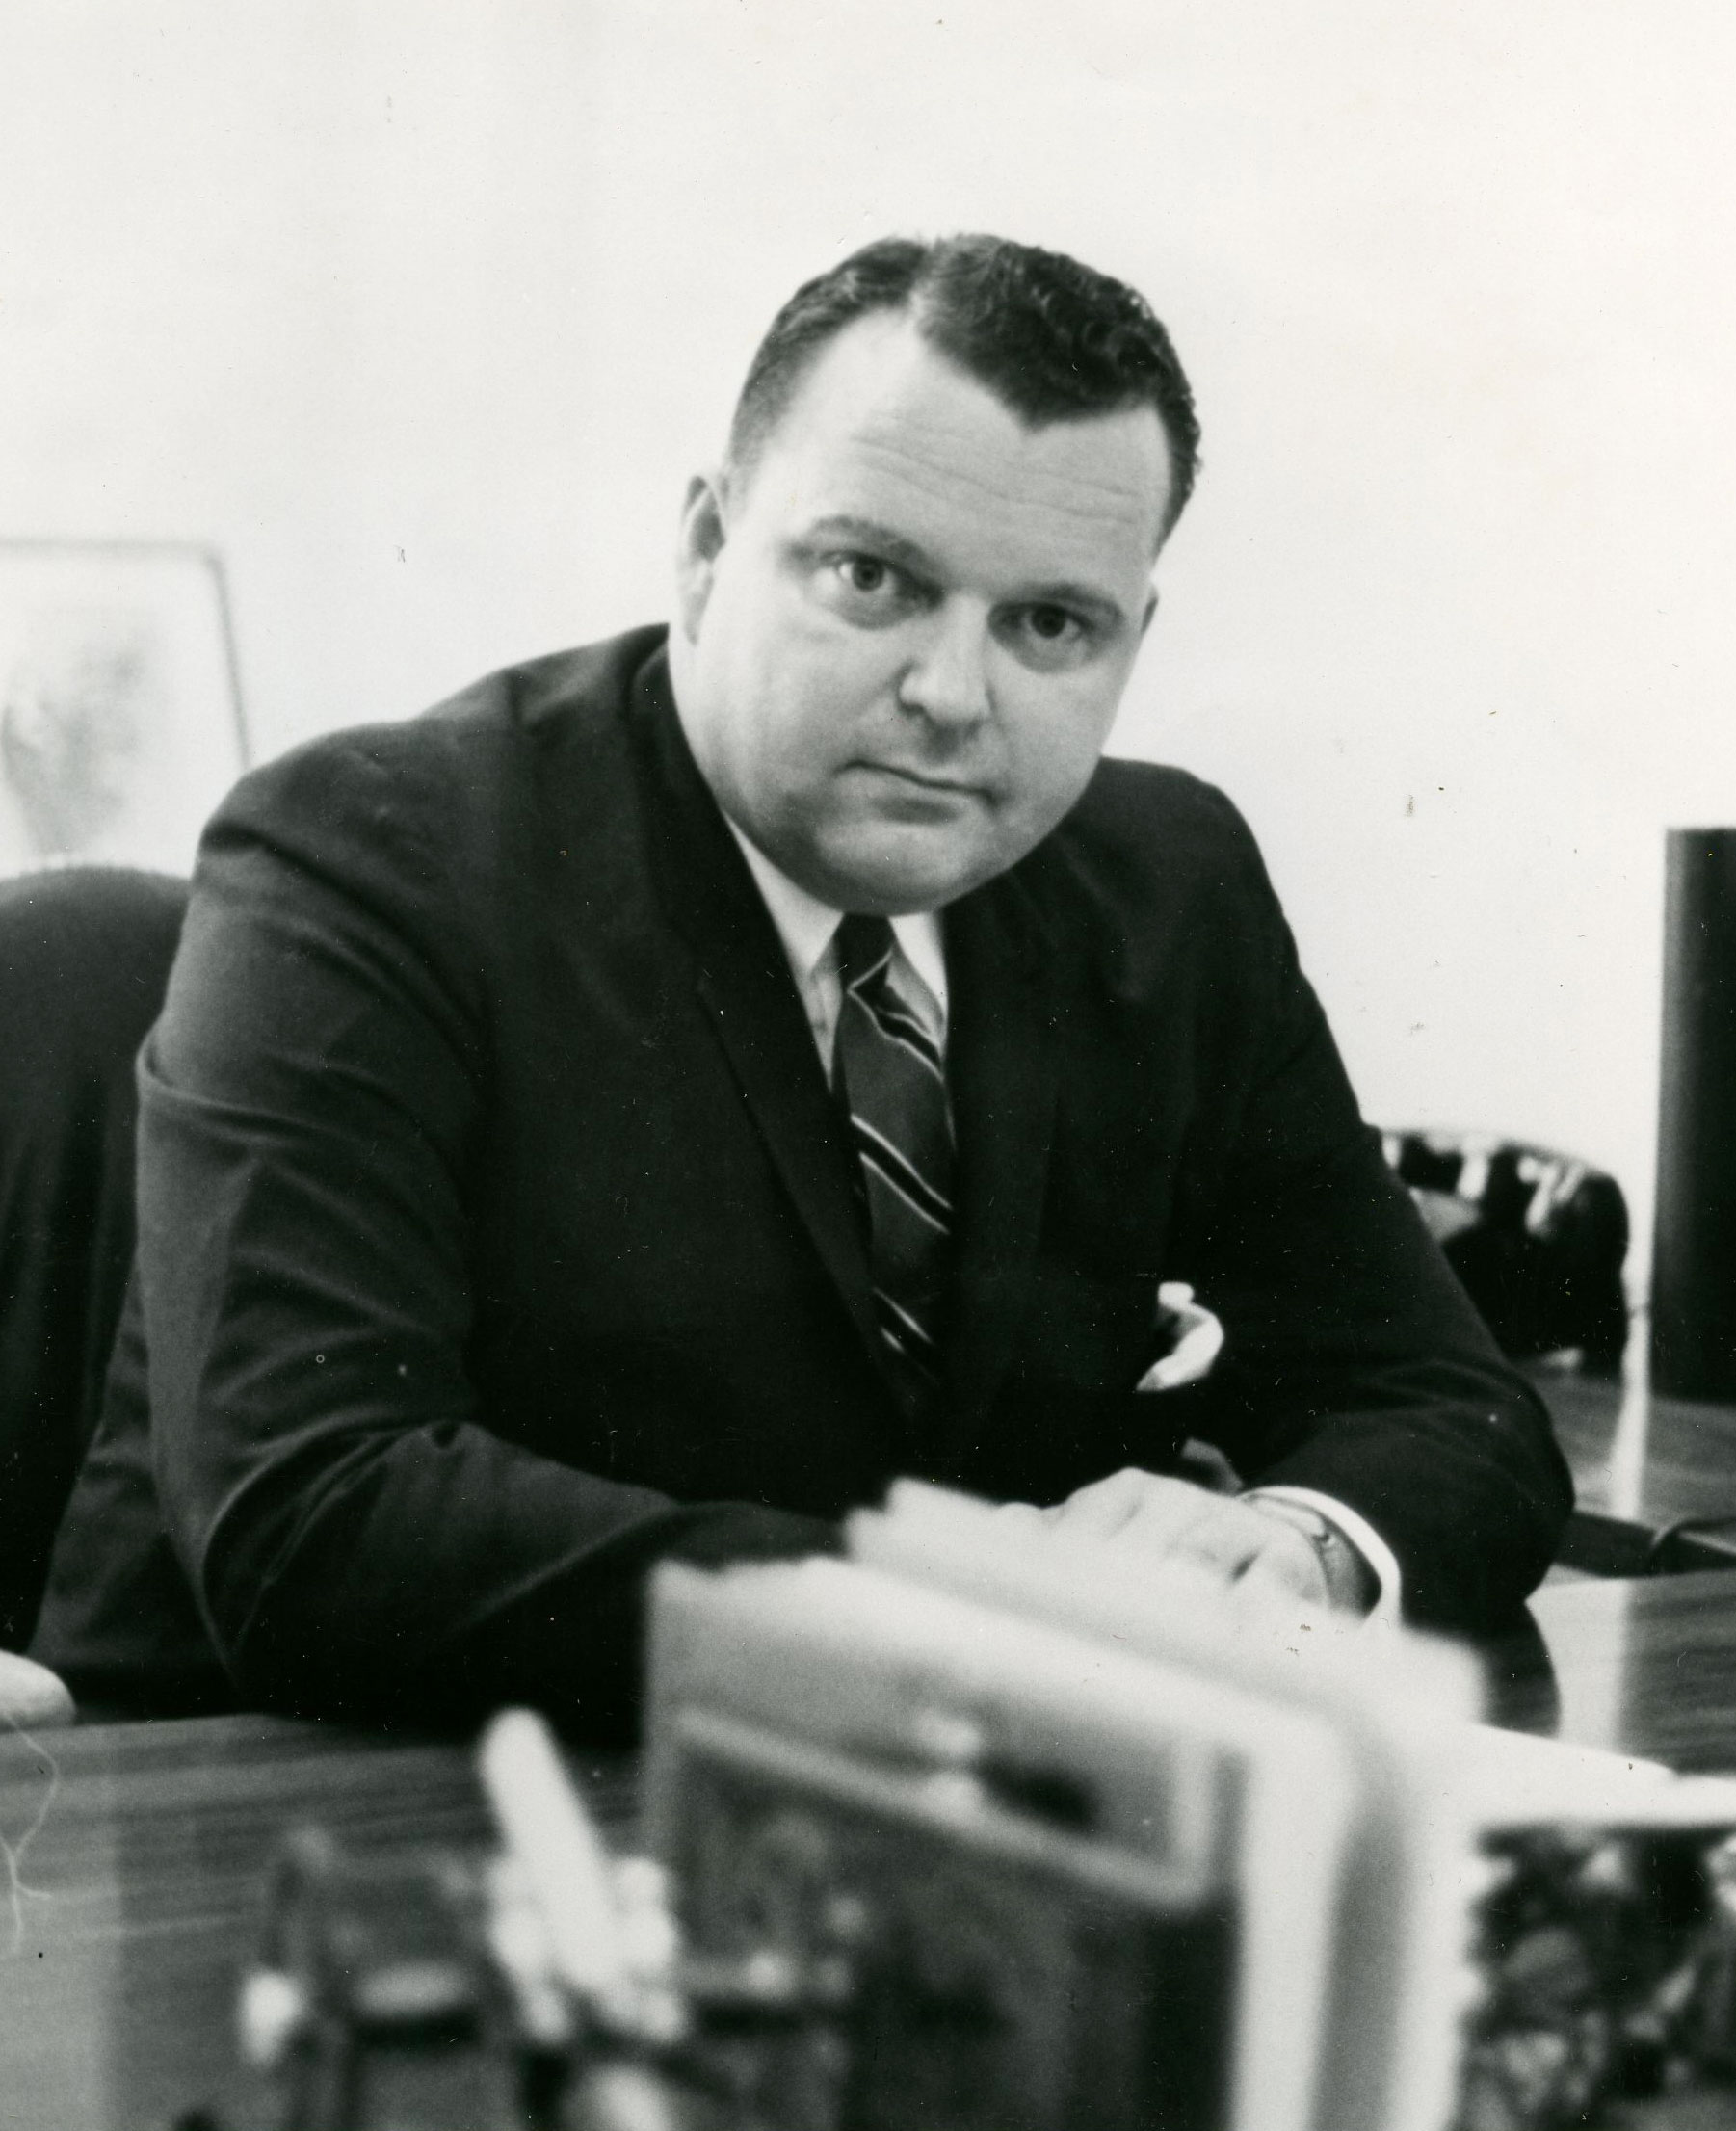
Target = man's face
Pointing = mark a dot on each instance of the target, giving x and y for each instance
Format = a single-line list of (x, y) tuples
[(903, 639)]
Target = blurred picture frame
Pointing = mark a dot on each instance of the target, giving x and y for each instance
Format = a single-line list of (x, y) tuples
[(120, 714)]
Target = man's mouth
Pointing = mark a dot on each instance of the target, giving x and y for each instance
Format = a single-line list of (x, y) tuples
[(924, 780)]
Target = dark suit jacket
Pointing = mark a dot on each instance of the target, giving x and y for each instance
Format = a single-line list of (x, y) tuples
[(496, 1235)]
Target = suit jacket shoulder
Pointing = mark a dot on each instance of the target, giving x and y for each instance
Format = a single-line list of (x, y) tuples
[(1148, 844)]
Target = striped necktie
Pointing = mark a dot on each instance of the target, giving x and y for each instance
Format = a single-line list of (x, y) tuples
[(888, 1072)]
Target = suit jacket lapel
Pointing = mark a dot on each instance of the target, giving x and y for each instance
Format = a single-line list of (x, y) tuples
[(742, 979), (1002, 1065)]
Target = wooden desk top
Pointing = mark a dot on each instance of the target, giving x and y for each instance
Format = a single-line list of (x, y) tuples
[(138, 1895), (1638, 1455), (1645, 1668), (137, 1900), (1641, 1463)]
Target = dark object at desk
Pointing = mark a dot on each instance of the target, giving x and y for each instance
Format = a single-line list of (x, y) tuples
[(1605, 1967), (1694, 1255), (84, 958), (1607, 1962), (1537, 1238)]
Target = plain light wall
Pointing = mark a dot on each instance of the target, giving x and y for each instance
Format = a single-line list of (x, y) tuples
[(422, 310)]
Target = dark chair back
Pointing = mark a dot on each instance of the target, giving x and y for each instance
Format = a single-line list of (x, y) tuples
[(83, 960), (1537, 1238)]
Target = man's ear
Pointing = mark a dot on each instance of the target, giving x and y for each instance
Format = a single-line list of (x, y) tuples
[(701, 543)]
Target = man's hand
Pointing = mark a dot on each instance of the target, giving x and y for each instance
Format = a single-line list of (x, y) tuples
[(1259, 1556)]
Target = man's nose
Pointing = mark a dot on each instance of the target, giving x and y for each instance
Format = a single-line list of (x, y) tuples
[(948, 678)]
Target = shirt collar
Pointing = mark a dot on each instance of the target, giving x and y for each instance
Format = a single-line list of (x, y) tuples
[(805, 925)]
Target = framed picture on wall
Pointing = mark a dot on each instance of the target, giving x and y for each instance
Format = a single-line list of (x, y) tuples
[(121, 718)]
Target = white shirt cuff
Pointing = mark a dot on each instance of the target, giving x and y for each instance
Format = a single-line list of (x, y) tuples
[(1382, 1563)]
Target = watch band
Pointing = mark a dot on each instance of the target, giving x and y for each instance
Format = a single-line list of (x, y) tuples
[(1349, 1580)]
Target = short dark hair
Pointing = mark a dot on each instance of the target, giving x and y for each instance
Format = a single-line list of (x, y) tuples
[(1052, 339)]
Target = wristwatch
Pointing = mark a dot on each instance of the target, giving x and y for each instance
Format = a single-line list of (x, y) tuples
[(1349, 1582)]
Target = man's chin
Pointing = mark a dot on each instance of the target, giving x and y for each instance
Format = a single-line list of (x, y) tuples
[(896, 877)]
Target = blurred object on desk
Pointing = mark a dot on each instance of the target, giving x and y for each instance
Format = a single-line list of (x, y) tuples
[(521, 1996), (1089, 1845), (146, 1877), (1694, 1250), (1537, 1238), (923, 1861)]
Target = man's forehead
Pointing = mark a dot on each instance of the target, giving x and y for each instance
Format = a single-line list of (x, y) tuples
[(884, 416)]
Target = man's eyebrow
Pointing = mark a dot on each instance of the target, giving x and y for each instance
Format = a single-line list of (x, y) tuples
[(1097, 604), (880, 537), (908, 555)]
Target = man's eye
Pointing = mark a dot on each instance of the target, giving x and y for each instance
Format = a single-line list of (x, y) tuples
[(1049, 638), (1053, 625), (866, 591), (866, 574)]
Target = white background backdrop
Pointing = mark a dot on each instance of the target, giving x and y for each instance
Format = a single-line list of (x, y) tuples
[(421, 310)]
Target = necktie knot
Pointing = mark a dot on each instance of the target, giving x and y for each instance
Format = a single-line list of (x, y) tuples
[(864, 949)]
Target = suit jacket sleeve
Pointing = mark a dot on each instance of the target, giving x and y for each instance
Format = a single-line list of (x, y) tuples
[(357, 1534), (1354, 1364)]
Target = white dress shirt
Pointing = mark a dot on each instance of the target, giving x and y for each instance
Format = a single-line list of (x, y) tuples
[(809, 930)]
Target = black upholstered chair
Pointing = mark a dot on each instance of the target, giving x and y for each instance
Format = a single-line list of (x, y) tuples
[(84, 958), (1539, 1239)]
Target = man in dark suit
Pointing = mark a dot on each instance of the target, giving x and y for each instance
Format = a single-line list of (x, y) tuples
[(642, 1107)]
